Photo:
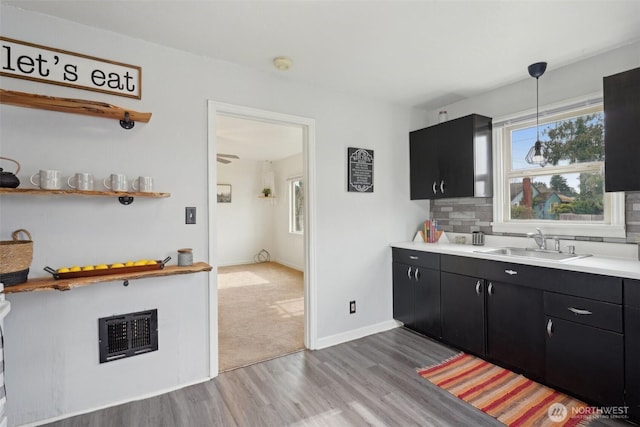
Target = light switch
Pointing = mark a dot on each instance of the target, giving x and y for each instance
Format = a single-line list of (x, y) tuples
[(190, 215)]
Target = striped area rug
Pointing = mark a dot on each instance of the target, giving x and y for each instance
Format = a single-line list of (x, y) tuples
[(512, 399)]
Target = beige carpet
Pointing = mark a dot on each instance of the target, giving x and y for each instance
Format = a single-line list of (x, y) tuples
[(260, 313)]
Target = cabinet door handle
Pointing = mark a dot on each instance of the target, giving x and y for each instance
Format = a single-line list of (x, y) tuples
[(433, 187), (413, 257), (409, 273), (579, 311), (442, 186), (417, 274), (550, 327), (511, 272), (478, 287), (490, 289)]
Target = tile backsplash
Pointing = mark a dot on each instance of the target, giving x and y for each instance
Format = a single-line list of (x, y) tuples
[(465, 215)]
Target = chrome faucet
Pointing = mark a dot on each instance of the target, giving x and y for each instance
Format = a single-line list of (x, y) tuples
[(541, 239)]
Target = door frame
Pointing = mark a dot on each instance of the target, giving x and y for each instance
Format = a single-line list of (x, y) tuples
[(308, 174)]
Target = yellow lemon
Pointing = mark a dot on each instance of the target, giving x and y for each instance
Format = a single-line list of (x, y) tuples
[(88, 268), (117, 265), (63, 270), (151, 262), (140, 262), (75, 268), (128, 264), (102, 267)]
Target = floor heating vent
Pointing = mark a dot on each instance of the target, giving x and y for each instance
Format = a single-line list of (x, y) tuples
[(127, 335)]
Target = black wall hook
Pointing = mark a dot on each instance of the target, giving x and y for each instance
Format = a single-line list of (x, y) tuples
[(127, 123)]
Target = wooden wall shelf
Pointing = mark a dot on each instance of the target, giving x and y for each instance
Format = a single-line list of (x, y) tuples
[(50, 284), (38, 192), (70, 105)]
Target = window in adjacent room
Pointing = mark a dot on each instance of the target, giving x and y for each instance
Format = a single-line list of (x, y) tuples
[(296, 206), (566, 195)]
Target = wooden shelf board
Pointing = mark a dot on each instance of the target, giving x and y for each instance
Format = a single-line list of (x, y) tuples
[(37, 191), (70, 105), (50, 284)]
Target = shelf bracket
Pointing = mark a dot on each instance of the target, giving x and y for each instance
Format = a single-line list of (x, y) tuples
[(125, 200), (127, 123)]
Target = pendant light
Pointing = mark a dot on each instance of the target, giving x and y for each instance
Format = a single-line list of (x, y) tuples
[(535, 156)]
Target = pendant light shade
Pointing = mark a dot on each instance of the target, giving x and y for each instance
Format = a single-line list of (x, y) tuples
[(535, 155)]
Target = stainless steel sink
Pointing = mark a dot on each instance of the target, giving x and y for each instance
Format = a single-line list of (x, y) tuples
[(534, 253)]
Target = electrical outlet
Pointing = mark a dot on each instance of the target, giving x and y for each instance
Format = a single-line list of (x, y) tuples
[(352, 307), (190, 215)]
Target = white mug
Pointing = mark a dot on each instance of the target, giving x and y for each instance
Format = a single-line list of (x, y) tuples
[(116, 182), (84, 181), (143, 184), (47, 179)]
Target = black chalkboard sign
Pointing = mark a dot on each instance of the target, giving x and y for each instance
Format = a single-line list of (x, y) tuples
[(360, 170)]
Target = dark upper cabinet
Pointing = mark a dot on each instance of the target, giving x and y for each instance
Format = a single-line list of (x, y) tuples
[(452, 159), (621, 140)]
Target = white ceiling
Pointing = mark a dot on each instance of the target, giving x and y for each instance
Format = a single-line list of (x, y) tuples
[(424, 54), (255, 139)]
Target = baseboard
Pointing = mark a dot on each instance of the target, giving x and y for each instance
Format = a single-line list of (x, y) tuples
[(287, 264), (116, 403), (356, 334)]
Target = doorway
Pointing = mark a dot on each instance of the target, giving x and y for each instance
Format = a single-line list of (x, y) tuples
[(267, 206)]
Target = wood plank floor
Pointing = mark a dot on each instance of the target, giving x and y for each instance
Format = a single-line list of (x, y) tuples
[(366, 382)]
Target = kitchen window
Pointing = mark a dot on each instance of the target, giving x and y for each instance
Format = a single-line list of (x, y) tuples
[(296, 206), (565, 196)]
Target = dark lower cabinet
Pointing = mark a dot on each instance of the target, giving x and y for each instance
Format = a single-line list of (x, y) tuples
[(632, 346), (515, 328), (427, 303), (585, 361), (403, 289), (416, 298), (462, 305), (632, 360)]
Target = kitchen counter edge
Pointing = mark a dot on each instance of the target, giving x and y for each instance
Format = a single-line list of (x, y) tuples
[(625, 268)]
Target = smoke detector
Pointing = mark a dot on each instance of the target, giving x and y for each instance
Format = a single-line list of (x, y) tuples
[(282, 63)]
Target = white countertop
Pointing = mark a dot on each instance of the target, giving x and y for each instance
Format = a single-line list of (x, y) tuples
[(597, 264)]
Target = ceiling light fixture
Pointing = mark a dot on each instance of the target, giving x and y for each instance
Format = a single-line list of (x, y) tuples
[(282, 63), (535, 156)]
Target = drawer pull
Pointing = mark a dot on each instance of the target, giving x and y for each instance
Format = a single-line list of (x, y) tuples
[(478, 283), (550, 327), (511, 272), (413, 257), (580, 311)]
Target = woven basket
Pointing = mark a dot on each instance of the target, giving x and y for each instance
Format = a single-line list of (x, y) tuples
[(16, 255)]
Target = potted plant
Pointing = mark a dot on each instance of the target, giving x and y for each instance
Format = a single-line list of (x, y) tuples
[(266, 191)]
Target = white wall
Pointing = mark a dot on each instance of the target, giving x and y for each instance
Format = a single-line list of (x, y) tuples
[(558, 84), (51, 337), (245, 226), (288, 249)]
